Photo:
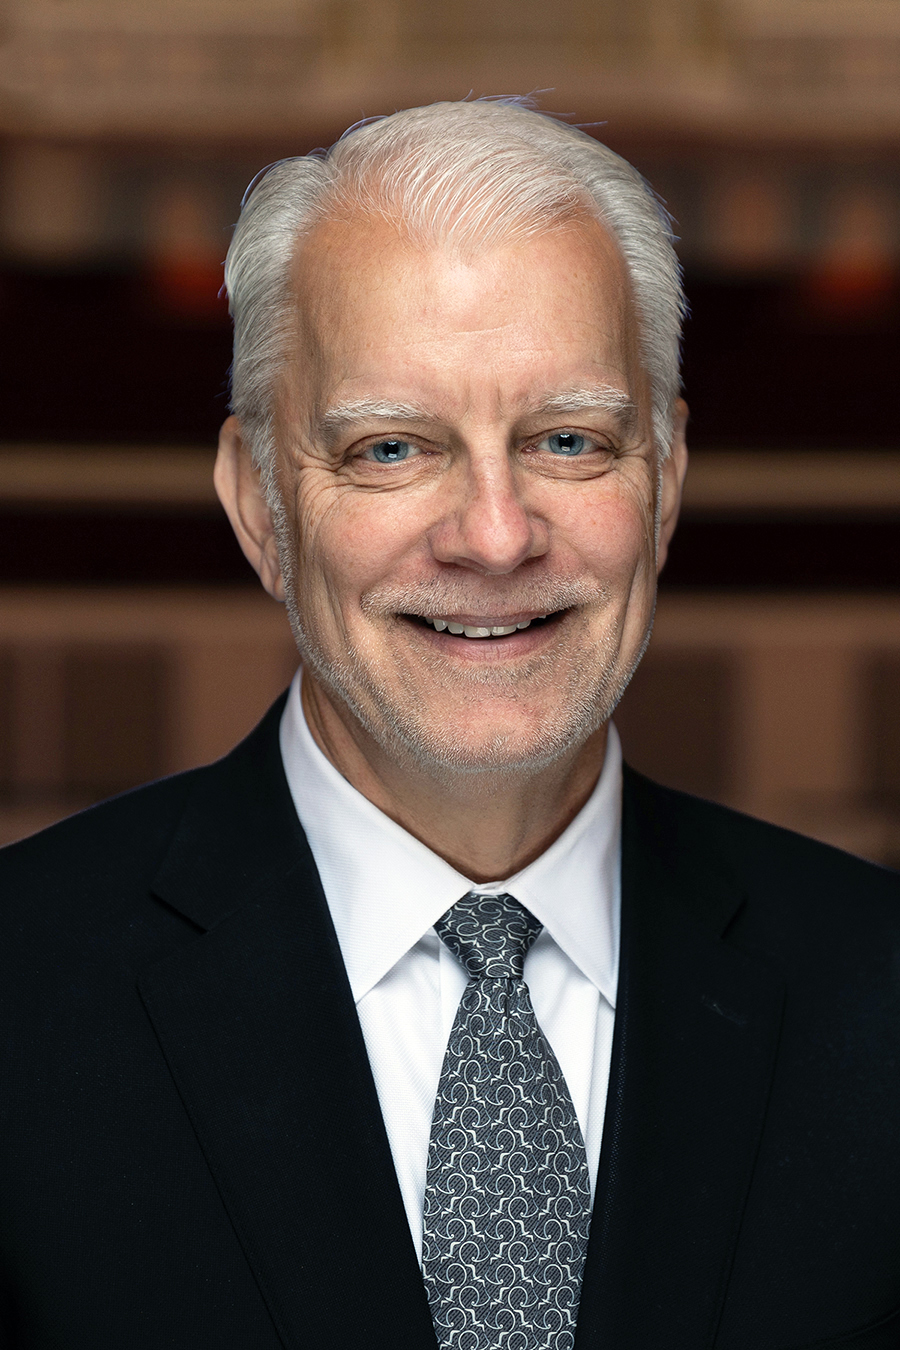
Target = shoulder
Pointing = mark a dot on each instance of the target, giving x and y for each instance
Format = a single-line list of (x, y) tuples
[(681, 823), (114, 847), (793, 887), (102, 862)]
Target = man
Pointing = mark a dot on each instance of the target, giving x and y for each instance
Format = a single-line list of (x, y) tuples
[(417, 1020)]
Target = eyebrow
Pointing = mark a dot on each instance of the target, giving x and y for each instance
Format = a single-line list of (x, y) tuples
[(588, 398), (341, 416)]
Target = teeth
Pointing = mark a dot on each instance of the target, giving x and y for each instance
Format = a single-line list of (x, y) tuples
[(472, 631)]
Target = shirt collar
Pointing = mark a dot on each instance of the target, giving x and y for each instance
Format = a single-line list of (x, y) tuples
[(385, 889)]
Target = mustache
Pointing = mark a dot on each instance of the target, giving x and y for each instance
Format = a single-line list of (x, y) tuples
[(441, 595)]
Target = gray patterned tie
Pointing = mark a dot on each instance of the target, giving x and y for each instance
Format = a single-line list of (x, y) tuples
[(507, 1194)]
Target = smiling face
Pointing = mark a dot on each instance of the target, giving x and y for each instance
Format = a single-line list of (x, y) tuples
[(469, 488)]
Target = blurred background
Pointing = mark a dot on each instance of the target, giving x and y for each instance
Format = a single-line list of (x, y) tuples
[(134, 639)]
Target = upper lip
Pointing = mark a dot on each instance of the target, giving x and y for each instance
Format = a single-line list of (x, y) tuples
[(488, 621)]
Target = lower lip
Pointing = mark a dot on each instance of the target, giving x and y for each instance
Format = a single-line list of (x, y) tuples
[(522, 643)]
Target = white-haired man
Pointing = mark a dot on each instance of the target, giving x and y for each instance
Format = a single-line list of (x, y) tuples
[(418, 1020)]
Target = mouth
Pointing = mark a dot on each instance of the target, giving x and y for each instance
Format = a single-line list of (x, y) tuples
[(482, 627)]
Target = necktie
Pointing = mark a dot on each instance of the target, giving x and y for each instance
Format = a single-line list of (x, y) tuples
[(507, 1192)]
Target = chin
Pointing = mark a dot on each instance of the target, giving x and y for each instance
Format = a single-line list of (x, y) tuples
[(453, 749), (484, 728)]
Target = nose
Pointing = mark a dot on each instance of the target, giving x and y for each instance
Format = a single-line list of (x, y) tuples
[(488, 525)]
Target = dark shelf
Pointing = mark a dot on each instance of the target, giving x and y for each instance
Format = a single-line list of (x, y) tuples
[(141, 547)]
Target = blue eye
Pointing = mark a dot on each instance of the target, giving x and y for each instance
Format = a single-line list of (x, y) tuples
[(565, 443), (390, 452)]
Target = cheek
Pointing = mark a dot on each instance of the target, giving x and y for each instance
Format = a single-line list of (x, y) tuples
[(351, 541), (614, 538)]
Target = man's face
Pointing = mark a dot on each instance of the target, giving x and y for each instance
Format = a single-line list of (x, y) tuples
[(469, 483)]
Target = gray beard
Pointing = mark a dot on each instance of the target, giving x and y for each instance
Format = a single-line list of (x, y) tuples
[(596, 680)]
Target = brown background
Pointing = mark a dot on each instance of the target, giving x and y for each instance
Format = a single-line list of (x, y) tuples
[(132, 639)]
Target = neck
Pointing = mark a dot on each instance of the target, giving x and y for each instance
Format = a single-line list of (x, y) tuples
[(486, 826)]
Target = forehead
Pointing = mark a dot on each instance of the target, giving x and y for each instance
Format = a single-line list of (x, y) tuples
[(378, 314)]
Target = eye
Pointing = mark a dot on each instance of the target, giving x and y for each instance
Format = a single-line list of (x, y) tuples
[(568, 443), (389, 452)]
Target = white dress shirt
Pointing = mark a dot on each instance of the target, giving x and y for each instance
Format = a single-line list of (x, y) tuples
[(385, 890)]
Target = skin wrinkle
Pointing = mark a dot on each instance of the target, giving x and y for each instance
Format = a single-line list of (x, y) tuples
[(341, 419), (482, 756)]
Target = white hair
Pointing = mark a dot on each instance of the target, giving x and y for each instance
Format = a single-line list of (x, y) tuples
[(468, 175)]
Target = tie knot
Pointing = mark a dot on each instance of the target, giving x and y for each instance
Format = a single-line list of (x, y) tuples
[(490, 935)]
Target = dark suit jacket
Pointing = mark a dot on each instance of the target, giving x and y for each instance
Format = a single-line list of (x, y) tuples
[(192, 1153)]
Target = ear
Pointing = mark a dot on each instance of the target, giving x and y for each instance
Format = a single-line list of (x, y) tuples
[(672, 480), (240, 492)]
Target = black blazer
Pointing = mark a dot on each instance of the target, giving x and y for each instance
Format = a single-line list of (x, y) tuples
[(191, 1149)]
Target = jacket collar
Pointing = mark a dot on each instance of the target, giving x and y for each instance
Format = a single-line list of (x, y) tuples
[(696, 1034), (258, 1026), (257, 1022)]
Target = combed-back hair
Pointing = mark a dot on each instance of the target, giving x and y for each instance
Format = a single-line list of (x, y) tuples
[(461, 175)]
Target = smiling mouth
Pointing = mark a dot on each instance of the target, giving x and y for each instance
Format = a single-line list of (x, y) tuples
[(455, 628)]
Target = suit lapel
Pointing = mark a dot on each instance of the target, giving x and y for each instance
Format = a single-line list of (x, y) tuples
[(697, 1023), (257, 1023)]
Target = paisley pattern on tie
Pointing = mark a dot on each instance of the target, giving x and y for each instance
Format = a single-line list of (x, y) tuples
[(507, 1195)]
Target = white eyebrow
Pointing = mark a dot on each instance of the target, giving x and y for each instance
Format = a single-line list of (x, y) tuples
[(582, 399), (341, 415), (589, 397)]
